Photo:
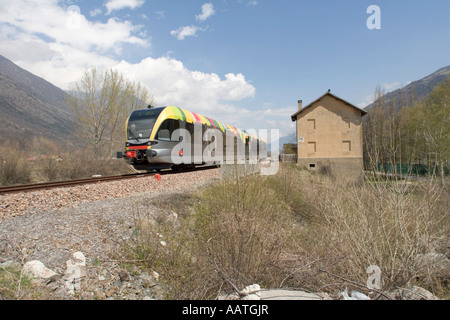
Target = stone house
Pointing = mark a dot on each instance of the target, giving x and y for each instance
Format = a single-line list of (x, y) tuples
[(329, 137)]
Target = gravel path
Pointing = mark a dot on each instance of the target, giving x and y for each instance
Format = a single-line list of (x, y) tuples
[(51, 225)]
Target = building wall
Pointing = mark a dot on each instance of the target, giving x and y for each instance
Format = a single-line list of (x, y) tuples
[(330, 138), (347, 170)]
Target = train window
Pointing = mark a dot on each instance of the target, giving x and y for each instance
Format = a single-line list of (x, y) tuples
[(166, 130), (141, 122), (164, 135)]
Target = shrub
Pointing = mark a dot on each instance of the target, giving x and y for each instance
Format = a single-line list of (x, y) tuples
[(382, 224), (293, 230), (14, 169), (235, 234)]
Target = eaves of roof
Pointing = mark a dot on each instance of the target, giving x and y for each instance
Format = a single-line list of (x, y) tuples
[(295, 115)]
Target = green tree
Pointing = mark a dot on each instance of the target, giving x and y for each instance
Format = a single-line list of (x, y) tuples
[(101, 103), (428, 126)]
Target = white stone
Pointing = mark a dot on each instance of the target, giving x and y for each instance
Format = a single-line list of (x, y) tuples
[(279, 294), (251, 292), (38, 270)]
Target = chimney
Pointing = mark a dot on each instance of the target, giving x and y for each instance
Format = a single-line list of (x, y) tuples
[(300, 105)]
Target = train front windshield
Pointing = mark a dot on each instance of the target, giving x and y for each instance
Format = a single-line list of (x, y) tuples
[(141, 123)]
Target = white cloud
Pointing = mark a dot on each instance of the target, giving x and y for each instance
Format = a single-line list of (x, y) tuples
[(366, 100), (248, 3), (114, 5), (286, 112), (392, 86), (95, 12), (187, 31), (385, 88), (58, 46), (207, 12), (47, 20), (192, 30), (276, 118), (171, 83), (160, 15)]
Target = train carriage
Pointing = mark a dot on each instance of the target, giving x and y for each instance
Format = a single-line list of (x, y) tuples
[(174, 138)]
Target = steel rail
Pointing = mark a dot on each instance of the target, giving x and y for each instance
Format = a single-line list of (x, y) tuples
[(69, 183)]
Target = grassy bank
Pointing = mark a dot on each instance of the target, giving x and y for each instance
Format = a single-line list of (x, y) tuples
[(295, 230)]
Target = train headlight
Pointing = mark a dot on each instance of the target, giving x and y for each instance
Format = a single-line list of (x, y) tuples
[(131, 154)]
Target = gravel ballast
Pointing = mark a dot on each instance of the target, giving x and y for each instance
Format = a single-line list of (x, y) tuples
[(18, 204), (96, 219)]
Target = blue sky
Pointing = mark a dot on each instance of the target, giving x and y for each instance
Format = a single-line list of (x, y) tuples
[(245, 62)]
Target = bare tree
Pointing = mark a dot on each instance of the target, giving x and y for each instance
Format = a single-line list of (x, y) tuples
[(101, 103), (383, 135)]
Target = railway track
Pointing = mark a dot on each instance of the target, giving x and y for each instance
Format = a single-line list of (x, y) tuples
[(69, 183)]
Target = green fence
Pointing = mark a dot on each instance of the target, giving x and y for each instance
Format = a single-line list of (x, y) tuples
[(414, 169)]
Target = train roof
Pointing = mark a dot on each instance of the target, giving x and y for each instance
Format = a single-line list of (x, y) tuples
[(176, 113)]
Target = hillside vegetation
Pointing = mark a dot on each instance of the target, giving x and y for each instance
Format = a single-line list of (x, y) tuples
[(31, 107), (412, 139)]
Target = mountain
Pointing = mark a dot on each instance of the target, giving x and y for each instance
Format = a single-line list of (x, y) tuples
[(30, 106), (415, 91)]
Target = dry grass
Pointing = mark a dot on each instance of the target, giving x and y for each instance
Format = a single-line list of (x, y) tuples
[(14, 169), (43, 161), (384, 224), (295, 230)]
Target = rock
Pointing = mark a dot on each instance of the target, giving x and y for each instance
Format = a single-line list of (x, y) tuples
[(110, 292), (355, 295), (279, 294), (52, 279), (124, 275), (413, 293), (10, 264), (99, 295), (251, 292), (324, 296), (148, 281), (155, 275), (254, 292), (37, 269)]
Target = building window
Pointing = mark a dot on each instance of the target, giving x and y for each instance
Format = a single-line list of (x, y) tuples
[(346, 146), (312, 147), (311, 124)]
